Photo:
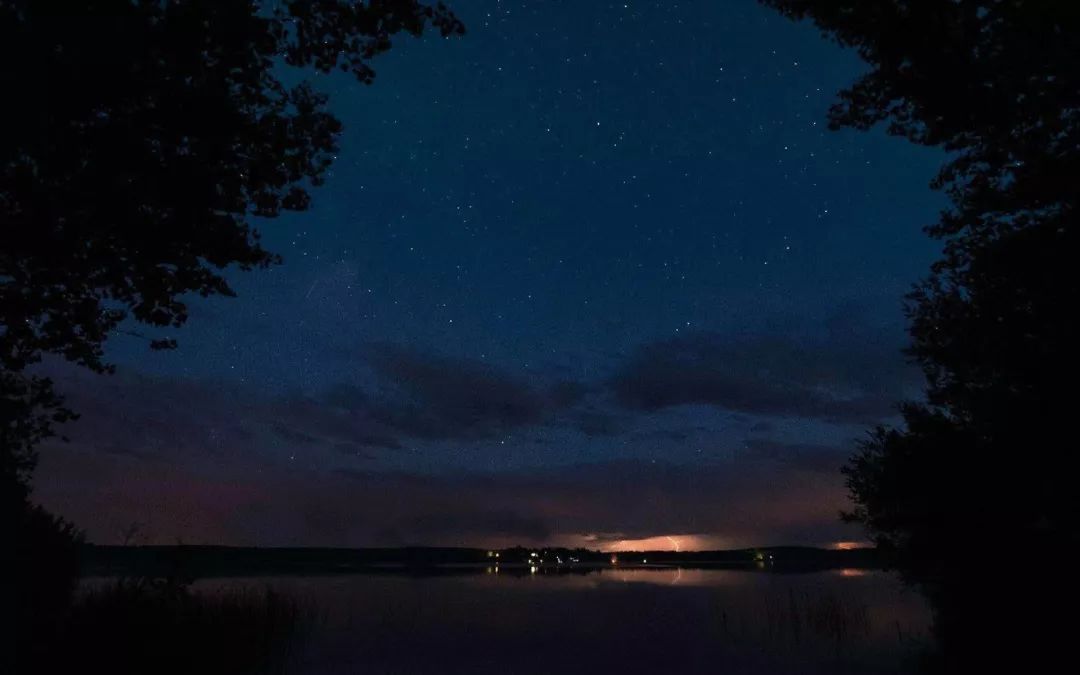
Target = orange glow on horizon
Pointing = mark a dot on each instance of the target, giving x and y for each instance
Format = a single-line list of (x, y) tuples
[(666, 542), (847, 545)]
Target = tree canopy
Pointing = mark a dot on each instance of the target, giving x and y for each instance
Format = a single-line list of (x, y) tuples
[(140, 138), (995, 84)]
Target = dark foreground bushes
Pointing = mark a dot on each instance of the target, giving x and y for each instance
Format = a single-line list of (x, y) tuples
[(146, 626)]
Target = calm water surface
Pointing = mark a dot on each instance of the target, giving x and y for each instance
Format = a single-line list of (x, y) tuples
[(628, 621)]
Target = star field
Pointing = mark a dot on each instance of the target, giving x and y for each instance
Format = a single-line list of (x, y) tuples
[(526, 233)]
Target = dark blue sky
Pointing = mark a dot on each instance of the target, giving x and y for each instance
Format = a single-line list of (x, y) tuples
[(593, 272)]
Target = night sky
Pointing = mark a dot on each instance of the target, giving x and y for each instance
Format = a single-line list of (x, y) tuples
[(592, 274)]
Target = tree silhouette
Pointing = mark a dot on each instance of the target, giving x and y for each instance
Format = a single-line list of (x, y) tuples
[(139, 139), (982, 458)]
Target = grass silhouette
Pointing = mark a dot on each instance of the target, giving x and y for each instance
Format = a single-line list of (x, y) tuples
[(162, 626)]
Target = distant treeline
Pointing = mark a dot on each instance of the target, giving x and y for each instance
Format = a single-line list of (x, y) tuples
[(190, 562)]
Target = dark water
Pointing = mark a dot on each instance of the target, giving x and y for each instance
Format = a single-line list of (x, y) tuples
[(627, 621)]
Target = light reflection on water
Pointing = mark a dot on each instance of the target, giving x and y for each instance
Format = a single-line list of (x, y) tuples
[(632, 620)]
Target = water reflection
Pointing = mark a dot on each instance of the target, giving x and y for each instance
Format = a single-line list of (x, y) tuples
[(501, 619), (673, 576)]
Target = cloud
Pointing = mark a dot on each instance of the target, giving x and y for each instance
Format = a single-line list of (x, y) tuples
[(409, 396), (431, 396), (501, 523), (764, 377), (737, 503), (364, 462), (595, 423), (809, 456), (129, 414), (294, 436)]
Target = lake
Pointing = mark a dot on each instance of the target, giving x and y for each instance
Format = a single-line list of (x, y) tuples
[(660, 620)]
